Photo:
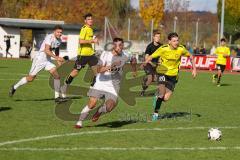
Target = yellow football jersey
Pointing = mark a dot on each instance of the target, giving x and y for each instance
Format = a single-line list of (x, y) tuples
[(169, 59), (220, 51), (86, 33)]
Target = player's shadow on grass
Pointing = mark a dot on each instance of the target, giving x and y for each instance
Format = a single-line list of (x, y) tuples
[(177, 115), (2, 109), (47, 99), (115, 124), (225, 85)]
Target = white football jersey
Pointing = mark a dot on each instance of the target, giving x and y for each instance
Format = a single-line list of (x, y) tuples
[(111, 77), (49, 40)]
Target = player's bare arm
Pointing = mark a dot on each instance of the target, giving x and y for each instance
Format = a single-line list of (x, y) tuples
[(95, 41), (103, 68), (194, 69), (148, 59), (51, 54)]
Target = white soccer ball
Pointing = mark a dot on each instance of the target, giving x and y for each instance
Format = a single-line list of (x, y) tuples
[(214, 134)]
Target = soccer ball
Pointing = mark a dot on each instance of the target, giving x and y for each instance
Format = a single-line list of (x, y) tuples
[(214, 134)]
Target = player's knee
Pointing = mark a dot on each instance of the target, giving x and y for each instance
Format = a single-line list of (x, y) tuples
[(56, 76), (166, 98), (74, 73), (110, 107), (95, 69), (30, 78), (92, 103)]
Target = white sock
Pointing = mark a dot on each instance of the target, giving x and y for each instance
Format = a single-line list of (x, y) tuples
[(84, 113), (102, 109), (57, 87), (20, 83), (79, 123), (64, 91)]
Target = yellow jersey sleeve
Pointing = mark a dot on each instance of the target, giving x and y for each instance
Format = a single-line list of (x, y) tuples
[(228, 51), (83, 33)]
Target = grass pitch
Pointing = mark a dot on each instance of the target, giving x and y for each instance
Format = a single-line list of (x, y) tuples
[(32, 126)]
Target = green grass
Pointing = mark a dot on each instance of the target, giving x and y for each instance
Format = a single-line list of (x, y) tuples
[(31, 113)]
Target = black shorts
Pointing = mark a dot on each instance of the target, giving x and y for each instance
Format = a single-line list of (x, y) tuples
[(149, 69), (83, 60), (169, 81), (221, 67)]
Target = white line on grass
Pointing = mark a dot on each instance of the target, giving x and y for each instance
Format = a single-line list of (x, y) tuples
[(121, 149), (108, 131), (18, 79), (21, 74)]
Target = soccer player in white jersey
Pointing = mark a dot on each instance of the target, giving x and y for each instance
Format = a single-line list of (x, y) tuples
[(110, 69), (42, 60)]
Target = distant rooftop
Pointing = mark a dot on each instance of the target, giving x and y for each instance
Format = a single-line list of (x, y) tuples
[(36, 24)]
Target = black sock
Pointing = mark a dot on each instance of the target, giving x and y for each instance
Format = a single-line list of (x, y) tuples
[(69, 79), (158, 104), (215, 76), (93, 81), (219, 79), (144, 85)]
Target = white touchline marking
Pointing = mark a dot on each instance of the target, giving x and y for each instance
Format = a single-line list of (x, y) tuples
[(121, 149), (22, 74), (18, 79), (108, 131)]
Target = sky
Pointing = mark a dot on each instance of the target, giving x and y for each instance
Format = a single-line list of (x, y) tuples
[(195, 5)]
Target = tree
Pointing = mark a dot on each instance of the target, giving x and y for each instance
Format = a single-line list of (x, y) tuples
[(232, 17), (151, 10)]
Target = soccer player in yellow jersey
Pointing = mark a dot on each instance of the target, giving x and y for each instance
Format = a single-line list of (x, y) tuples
[(167, 71), (85, 52), (222, 52)]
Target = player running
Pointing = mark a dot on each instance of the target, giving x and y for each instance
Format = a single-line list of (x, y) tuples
[(85, 52), (222, 52), (42, 60), (170, 58), (110, 69), (150, 68)]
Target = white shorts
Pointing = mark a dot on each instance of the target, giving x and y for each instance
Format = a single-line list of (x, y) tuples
[(40, 64), (99, 90)]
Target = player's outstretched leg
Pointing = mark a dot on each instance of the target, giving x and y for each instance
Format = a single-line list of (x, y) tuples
[(56, 82), (68, 81), (214, 77), (21, 82), (144, 85), (157, 107), (219, 75), (108, 106), (85, 111), (83, 116), (159, 99), (99, 112)]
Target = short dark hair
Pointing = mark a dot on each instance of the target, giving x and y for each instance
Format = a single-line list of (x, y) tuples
[(118, 39), (171, 35), (58, 27), (222, 40), (87, 15), (156, 32)]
